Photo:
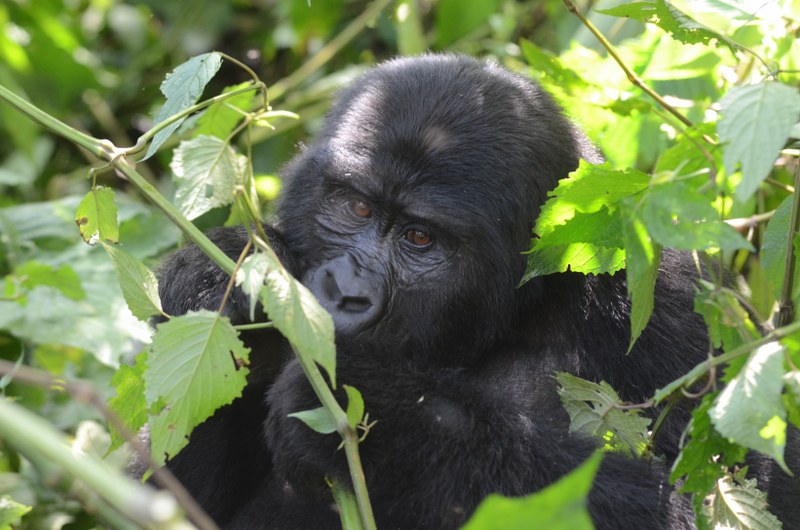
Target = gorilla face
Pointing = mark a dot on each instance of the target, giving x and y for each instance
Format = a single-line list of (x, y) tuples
[(411, 210)]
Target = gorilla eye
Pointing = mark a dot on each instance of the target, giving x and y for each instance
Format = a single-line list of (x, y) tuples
[(418, 238), (360, 209)]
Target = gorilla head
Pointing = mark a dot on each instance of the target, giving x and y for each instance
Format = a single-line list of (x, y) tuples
[(410, 211)]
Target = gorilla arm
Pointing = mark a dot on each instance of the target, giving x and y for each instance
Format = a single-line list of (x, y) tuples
[(446, 438)]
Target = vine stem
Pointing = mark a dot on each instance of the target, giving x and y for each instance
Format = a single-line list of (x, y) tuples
[(117, 158), (786, 305), (630, 74)]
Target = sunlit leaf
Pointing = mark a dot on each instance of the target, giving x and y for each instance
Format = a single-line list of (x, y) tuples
[(32, 274), (129, 404), (97, 216), (560, 506), (139, 284), (196, 364), (319, 419), (355, 405), (739, 506)]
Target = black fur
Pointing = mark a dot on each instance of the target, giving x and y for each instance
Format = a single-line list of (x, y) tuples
[(453, 360)]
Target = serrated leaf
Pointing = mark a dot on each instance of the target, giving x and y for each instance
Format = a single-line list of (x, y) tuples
[(593, 411), (355, 405), (32, 274), (299, 317), (129, 404), (250, 277), (642, 258), (11, 511), (222, 117), (665, 15), (600, 228), (755, 124), (562, 505), (577, 257), (678, 217), (182, 88), (97, 216), (139, 285), (195, 365), (319, 419), (773, 249), (587, 190), (749, 411), (207, 171), (739, 507)]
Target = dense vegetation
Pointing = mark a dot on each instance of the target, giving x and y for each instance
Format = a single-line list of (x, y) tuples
[(694, 105)]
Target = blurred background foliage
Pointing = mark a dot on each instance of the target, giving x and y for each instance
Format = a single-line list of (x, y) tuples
[(98, 64)]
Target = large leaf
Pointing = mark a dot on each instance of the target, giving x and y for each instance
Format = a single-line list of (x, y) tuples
[(182, 89), (739, 506), (139, 284), (755, 124), (207, 170), (560, 506), (750, 410), (195, 365), (298, 315)]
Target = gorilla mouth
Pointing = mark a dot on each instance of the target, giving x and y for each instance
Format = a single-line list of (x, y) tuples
[(354, 304)]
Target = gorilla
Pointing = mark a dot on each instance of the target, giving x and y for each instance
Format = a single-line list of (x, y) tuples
[(408, 216)]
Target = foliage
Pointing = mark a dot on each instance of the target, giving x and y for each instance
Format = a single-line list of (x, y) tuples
[(694, 106)]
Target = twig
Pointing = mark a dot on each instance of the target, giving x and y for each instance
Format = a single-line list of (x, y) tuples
[(630, 74)]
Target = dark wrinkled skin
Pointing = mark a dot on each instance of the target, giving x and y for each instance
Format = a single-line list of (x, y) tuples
[(407, 216)]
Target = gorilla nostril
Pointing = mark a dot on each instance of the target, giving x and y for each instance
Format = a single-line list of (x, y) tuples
[(355, 304)]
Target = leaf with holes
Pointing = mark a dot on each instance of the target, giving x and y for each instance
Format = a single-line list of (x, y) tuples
[(97, 216)]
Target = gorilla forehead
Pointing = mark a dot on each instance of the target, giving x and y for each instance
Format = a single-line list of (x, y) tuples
[(415, 127)]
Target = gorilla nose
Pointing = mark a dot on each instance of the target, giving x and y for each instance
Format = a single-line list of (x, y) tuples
[(353, 295)]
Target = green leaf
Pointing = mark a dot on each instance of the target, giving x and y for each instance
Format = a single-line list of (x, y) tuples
[(319, 419), (129, 404), (195, 365), (642, 258), (222, 117), (678, 217), (250, 277), (587, 190), (457, 18), (33, 274), (739, 506), (299, 317), (355, 405), (705, 454), (97, 216), (139, 284), (773, 250), (749, 411), (182, 88), (408, 25), (207, 171), (755, 124), (600, 228), (729, 324), (585, 258), (593, 411), (665, 15), (560, 506), (11, 512)]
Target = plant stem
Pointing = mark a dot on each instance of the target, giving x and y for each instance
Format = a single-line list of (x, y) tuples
[(32, 435), (786, 305), (630, 74)]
